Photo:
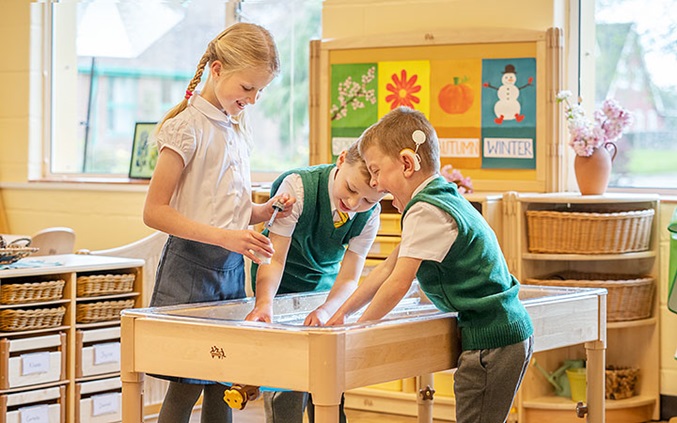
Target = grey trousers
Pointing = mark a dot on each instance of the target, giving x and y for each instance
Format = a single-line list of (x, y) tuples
[(289, 406), (486, 382)]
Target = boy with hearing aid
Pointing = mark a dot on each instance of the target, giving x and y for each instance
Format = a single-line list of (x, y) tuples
[(449, 247)]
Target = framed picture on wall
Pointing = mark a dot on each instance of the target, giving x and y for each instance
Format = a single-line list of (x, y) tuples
[(144, 151)]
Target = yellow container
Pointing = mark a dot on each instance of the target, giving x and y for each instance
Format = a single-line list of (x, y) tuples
[(395, 385), (578, 384), (444, 383)]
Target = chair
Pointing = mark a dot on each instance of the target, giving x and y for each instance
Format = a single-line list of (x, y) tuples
[(56, 240)]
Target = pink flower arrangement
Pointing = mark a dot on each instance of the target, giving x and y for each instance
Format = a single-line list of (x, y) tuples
[(609, 123), (464, 184)]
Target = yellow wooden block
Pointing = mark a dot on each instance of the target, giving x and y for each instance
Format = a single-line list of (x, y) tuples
[(409, 384), (444, 384), (390, 224), (395, 385), (383, 246)]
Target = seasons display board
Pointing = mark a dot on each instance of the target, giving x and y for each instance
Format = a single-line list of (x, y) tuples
[(485, 92)]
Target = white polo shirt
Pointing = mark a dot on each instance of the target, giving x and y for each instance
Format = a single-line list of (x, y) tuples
[(215, 186), (427, 231)]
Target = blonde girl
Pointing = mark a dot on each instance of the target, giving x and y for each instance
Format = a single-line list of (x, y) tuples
[(200, 194)]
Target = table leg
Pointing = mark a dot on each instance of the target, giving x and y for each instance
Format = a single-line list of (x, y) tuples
[(132, 382), (424, 398), (326, 413), (596, 355)]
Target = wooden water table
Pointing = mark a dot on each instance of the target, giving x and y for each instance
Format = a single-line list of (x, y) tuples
[(211, 341)]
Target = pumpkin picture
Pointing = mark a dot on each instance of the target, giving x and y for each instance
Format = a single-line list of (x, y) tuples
[(456, 98)]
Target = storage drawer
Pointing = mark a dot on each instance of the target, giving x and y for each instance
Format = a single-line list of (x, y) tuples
[(383, 246), (390, 224), (98, 401), (44, 405), (97, 351), (31, 361)]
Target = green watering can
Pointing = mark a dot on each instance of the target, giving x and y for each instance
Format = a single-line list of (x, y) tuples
[(558, 378)]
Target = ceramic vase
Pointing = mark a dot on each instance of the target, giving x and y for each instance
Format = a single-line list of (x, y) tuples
[(592, 172)]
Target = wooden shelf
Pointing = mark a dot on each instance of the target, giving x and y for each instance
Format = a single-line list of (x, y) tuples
[(68, 267), (536, 400)]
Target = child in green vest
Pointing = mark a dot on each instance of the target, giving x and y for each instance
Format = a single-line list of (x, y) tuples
[(449, 247), (320, 246)]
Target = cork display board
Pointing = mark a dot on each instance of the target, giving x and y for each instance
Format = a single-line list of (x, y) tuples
[(486, 92)]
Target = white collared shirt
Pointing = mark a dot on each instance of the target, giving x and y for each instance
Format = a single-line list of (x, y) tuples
[(215, 186), (293, 185), (427, 232)]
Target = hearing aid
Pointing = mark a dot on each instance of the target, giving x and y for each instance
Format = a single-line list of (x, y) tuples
[(413, 156), (419, 138)]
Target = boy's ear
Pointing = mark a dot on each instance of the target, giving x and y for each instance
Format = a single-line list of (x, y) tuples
[(410, 159), (341, 159)]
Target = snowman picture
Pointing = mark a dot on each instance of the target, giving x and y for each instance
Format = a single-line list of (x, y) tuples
[(507, 107)]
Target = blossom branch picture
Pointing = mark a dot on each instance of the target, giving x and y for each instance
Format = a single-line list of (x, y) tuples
[(353, 89)]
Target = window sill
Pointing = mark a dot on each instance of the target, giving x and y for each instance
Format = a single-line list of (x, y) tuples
[(81, 184)]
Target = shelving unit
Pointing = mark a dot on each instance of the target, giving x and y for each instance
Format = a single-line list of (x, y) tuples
[(57, 396), (633, 343)]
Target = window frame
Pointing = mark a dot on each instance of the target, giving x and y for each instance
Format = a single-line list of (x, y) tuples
[(581, 62), (42, 151)]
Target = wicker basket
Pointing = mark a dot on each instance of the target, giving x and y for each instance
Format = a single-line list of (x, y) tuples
[(101, 311), (620, 382), (588, 233), (16, 319), (629, 297), (93, 285), (18, 293)]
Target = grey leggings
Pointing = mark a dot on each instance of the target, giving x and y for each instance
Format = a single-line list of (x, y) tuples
[(181, 397)]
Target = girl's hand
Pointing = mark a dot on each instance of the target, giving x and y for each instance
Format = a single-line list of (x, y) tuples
[(260, 314), (248, 243), (287, 202), (317, 317), (263, 212)]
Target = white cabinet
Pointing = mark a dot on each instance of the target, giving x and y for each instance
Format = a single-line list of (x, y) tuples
[(69, 337), (632, 342)]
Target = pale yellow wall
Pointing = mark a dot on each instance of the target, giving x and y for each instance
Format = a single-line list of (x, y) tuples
[(350, 18)]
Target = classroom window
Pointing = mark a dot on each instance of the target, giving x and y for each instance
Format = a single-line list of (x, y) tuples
[(115, 63), (635, 57)]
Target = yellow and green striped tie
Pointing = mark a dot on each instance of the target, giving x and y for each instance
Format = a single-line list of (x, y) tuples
[(342, 218)]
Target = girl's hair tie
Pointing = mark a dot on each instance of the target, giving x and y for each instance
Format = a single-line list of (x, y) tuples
[(189, 94)]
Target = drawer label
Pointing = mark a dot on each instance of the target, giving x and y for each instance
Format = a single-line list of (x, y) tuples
[(35, 414), (107, 353), (105, 404), (34, 363)]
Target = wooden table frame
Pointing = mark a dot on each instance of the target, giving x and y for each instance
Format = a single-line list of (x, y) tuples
[(326, 361)]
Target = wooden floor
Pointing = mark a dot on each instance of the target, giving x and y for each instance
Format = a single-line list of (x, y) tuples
[(253, 413)]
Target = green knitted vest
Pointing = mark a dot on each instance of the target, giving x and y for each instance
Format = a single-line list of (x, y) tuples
[(473, 279), (316, 247)]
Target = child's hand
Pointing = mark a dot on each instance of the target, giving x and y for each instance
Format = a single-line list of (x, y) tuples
[(317, 317), (286, 200), (260, 314), (339, 318), (248, 243)]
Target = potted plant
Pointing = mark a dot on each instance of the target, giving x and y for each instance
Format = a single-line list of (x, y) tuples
[(594, 141)]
